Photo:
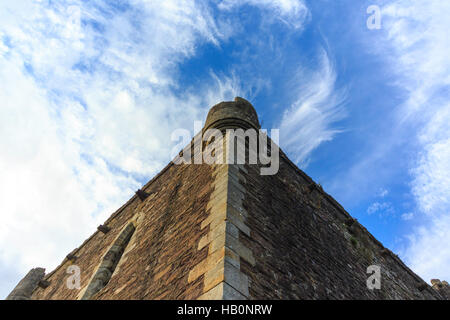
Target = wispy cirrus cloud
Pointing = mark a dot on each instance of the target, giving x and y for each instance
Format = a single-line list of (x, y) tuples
[(416, 34), (292, 12), (318, 105)]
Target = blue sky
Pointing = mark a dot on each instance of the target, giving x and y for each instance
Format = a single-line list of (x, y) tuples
[(92, 90)]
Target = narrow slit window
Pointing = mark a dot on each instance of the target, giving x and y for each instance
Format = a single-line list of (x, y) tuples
[(109, 263)]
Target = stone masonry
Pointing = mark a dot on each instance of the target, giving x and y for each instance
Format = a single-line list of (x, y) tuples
[(27, 285), (224, 231)]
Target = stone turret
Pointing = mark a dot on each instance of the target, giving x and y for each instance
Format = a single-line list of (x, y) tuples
[(26, 286), (231, 115)]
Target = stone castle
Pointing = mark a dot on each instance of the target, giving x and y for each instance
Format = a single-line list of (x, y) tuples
[(224, 231)]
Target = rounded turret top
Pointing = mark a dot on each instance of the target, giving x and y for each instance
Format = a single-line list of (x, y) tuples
[(231, 115)]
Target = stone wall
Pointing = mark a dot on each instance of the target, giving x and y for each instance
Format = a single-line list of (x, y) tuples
[(221, 269), (307, 247), (227, 232), (27, 285), (162, 250), (442, 287)]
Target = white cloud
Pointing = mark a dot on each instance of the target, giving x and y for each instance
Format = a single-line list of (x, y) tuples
[(382, 208), (407, 216), (428, 253), (383, 193), (417, 39), (308, 122), (431, 184), (292, 12)]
